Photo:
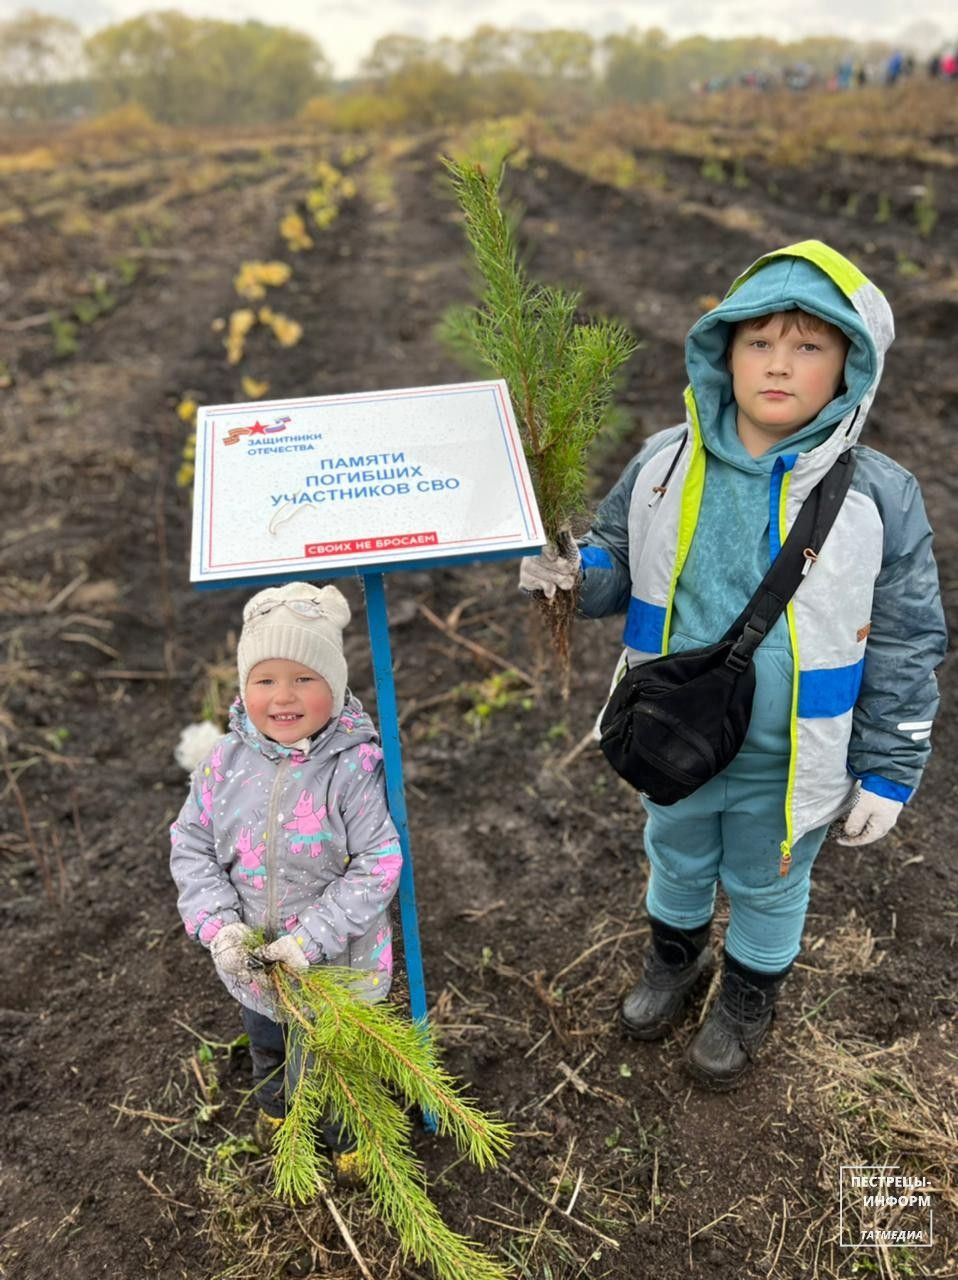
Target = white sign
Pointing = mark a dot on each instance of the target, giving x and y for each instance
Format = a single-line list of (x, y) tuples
[(360, 481)]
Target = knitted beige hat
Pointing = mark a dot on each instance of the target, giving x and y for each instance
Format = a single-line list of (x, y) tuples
[(301, 622)]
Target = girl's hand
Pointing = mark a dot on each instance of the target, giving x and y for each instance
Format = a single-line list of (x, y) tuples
[(231, 951), (285, 950)]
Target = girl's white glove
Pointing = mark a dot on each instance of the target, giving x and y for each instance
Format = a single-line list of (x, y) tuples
[(231, 951), (550, 569), (872, 817), (285, 950)]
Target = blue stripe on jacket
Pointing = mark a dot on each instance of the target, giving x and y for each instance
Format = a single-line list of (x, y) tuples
[(880, 786), (829, 692), (595, 558), (644, 626)]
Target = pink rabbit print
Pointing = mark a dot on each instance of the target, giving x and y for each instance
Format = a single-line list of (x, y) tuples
[(388, 865), (205, 927), (368, 756), (307, 824), (383, 950), (250, 859)]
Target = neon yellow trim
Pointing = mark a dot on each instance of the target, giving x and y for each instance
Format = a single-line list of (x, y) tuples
[(692, 490), (786, 847), (837, 267)]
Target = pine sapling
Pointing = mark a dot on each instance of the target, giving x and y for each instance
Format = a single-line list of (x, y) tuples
[(365, 1063), (560, 372)]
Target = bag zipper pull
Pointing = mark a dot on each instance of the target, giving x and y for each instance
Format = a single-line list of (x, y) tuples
[(810, 558), (785, 862)]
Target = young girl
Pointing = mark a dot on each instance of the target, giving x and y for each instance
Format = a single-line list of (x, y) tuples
[(287, 831)]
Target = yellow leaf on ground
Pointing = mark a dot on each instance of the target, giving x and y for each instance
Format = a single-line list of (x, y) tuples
[(253, 278), (288, 332)]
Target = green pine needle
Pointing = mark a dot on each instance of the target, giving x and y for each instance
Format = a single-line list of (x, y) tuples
[(359, 1058)]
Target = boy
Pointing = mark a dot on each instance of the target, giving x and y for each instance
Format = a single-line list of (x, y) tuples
[(781, 374), (287, 830)]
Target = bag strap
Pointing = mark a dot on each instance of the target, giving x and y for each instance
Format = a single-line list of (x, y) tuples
[(659, 490), (793, 562)]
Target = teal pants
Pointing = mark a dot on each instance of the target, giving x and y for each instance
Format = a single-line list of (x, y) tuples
[(730, 832)]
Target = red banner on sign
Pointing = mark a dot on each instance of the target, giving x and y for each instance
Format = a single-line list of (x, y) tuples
[(382, 542)]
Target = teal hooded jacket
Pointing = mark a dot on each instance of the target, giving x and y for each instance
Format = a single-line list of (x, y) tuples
[(848, 674)]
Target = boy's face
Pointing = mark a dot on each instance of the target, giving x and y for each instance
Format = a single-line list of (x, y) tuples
[(287, 701), (782, 380)]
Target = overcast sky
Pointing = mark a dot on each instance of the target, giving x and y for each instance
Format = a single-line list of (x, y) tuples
[(347, 29)]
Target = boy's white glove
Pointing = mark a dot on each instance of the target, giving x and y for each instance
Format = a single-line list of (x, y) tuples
[(872, 817), (550, 569), (286, 950), (231, 951)]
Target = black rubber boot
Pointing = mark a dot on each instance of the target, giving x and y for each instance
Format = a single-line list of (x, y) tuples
[(738, 1022), (669, 971)]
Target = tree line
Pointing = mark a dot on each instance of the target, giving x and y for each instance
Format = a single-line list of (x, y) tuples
[(184, 70), (180, 70)]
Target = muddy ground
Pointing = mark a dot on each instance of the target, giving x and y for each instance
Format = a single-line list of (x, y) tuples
[(528, 863)]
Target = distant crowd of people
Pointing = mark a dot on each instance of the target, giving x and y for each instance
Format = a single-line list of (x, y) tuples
[(900, 66), (850, 74), (944, 65)]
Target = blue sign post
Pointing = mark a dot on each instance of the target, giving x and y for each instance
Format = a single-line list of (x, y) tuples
[(395, 790)]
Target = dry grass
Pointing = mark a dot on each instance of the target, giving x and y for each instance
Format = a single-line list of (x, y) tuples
[(218, 686), (892, 1105), (626, 146), (786, 129), (563, 1214), (848, 950)]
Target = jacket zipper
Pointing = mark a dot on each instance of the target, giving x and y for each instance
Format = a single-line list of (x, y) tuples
[(785, 848), (694, 436), (272, 818)]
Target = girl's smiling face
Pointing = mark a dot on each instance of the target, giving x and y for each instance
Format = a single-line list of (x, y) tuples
[(287, 701)]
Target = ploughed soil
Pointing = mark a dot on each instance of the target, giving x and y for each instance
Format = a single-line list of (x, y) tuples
[(116, 1158)]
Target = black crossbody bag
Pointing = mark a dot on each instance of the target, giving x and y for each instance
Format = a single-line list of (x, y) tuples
[(674, 722)]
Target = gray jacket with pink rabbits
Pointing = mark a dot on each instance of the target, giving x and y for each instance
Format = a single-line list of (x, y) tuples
[(292, 842)]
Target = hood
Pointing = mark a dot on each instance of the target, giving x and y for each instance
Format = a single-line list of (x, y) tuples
[(346, 730), (817, 279)]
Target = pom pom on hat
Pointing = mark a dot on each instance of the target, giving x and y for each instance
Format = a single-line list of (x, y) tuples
[(196, 742), (302, 623)]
